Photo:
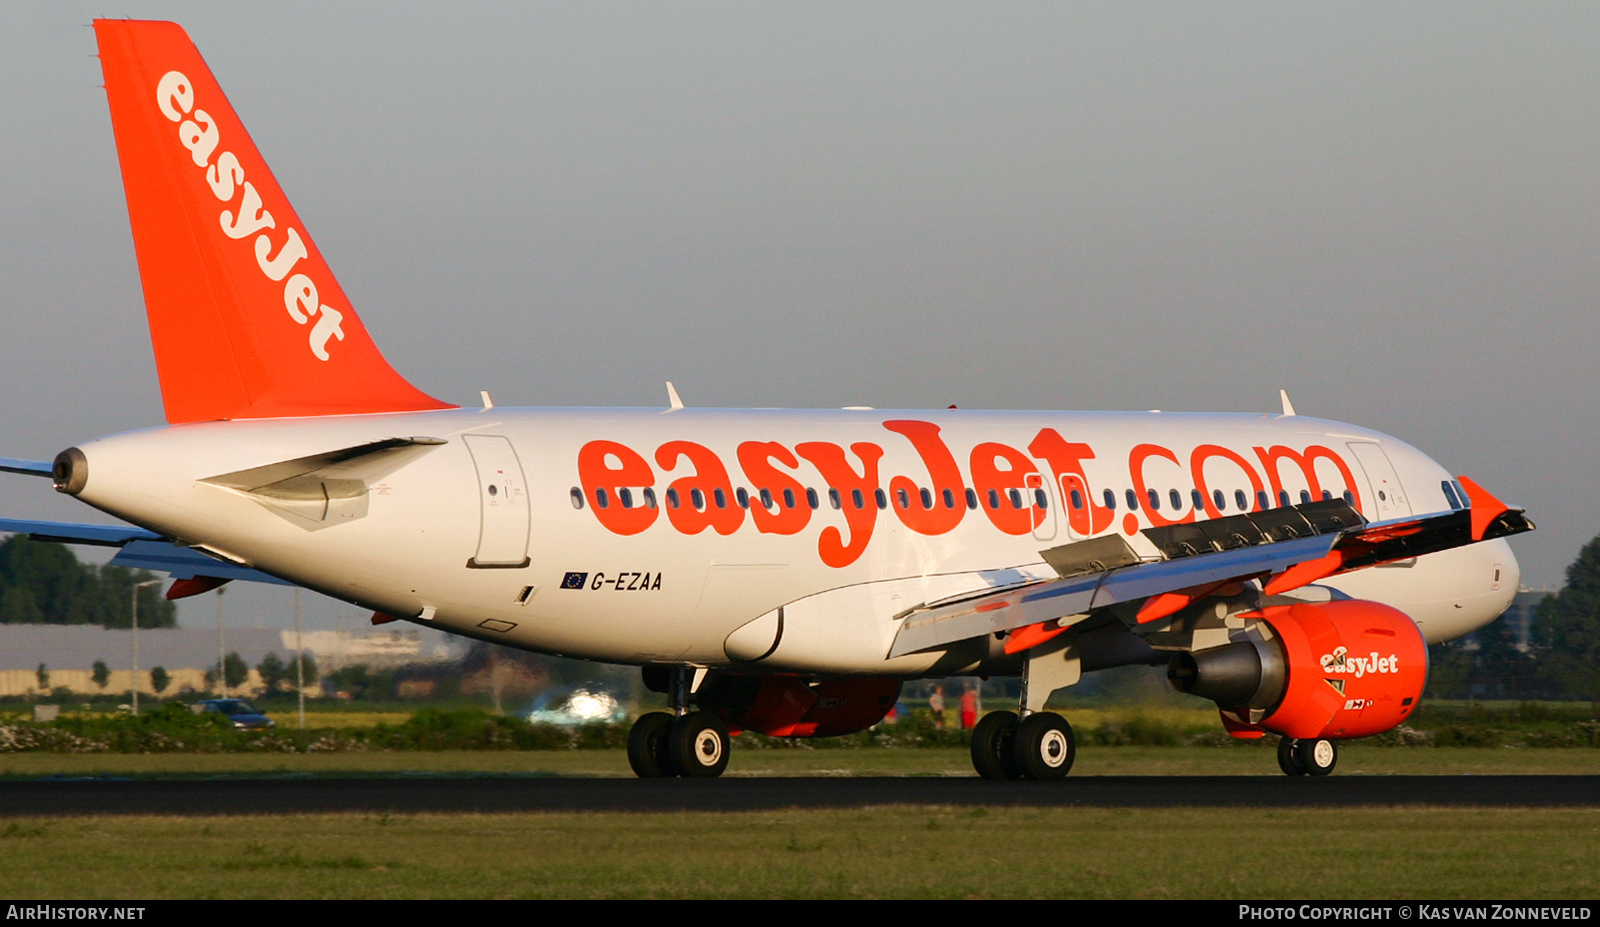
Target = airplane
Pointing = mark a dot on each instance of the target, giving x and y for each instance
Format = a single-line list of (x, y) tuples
[(781, 571)]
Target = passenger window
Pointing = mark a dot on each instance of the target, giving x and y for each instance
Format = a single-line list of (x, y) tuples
[(1175, 499), (905, 499), (1349, 498), (1283, 498), (766, 498), (927, 500), (1016, 498), (1111, 500), (1077, 500), (833, 499), (1133, 501), (949, 499), (811, 499), (1199, 500), (788, 498), (600, 498), (856, 497), (1305, 497), (577, 498), (1261, 500), (649, 498), (697, 499), (972, 500), (742, 497), (882, 498), (1040, 500), (721, 497), (625, 497), (1219, 500), (1240, 501), (994, 499), (1155, 500), (672, 498)]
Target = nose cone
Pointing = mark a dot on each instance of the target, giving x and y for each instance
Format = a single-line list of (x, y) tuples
[(1490, 578)]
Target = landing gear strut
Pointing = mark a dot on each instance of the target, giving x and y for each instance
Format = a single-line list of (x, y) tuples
[(692, 744), (1310, 757)]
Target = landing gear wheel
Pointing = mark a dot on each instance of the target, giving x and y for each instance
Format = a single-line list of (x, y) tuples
[(698, 745), (1286, 758), (1316, 757), (647, 746), (1044, 746), (992, 753)]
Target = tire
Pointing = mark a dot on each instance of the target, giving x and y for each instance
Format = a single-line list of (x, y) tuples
[(1287, 761), (647, 746), (698, 745), (1317, 757), (1045, 746), (992, 753)]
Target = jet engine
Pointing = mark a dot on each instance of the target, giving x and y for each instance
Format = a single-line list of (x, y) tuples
[(1327, 670), (799, 706)]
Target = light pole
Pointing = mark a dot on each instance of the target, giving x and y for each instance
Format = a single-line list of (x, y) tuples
[(222, 649), (135, 684), (299, 660)]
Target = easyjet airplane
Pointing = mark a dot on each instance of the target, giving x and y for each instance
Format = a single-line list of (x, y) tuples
[(777, 571)]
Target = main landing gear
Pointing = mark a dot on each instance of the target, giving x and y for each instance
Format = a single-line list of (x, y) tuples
[(1039, 746), (691, 744), (1312, 757)]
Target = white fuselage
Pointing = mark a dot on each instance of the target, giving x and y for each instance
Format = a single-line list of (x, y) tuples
[(500, 532)]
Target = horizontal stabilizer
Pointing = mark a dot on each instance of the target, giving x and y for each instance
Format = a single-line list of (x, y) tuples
[(186, 563), (141, 549), (68, 533), (28, 467)]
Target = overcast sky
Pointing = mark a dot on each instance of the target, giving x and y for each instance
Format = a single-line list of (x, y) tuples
[(1388, 209)]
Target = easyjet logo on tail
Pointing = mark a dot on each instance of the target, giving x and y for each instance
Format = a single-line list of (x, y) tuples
[(247, 217)]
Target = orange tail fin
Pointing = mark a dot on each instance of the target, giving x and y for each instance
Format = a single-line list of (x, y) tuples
[(246, 318)]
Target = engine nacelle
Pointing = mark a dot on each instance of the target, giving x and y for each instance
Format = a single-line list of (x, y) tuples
[(799, 706), (1327, 670)]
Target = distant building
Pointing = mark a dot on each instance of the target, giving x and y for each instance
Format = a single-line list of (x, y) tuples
[(69, 653), (1519, 617)]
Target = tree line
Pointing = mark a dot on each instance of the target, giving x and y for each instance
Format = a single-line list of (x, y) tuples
[(42, 582)]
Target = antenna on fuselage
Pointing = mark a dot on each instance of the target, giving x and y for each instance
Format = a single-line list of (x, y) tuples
[(1288, 407), (673, 402)]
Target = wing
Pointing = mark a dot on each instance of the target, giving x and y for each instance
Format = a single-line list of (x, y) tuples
[(1283, 549)]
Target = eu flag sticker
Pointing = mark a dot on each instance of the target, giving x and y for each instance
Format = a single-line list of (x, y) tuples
[(574, 580)]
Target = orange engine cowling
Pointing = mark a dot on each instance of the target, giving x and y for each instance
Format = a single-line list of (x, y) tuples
[(1334, 669), (799, 706)]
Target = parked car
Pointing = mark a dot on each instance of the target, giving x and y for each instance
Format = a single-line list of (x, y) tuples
[(241, 714)]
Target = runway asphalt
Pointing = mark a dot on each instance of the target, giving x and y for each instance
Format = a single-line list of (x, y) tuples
[(441, 794)]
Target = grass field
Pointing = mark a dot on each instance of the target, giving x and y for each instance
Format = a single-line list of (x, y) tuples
[(899, 852), (886, 852)]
